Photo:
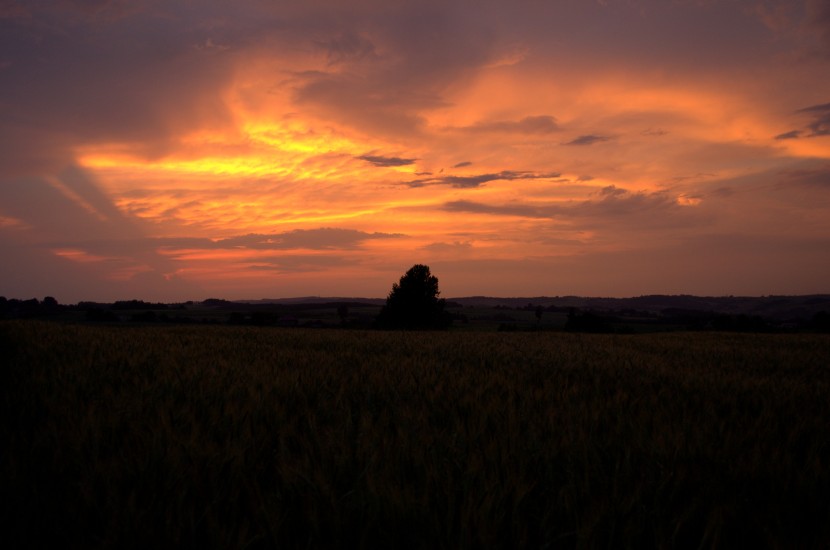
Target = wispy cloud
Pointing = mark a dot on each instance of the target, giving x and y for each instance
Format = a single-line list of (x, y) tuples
[(449, 248), (818, 177), (292, 263), (386, 162), (588, 139), (820, 126), (657, 208), (467, 182), (793, 134), (540, 124), (520, 210), (324, 238), (347, 46)]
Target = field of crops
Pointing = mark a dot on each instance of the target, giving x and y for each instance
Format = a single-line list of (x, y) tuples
[(241, 437)]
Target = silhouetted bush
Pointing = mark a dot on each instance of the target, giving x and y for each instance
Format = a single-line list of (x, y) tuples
[(144, 317), (820, 322), (262, 318), (739, 323), (343, 313), (236, 318), (586, 322), (98, 315)]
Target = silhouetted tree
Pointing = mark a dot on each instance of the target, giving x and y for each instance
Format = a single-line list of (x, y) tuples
[(414, 303)]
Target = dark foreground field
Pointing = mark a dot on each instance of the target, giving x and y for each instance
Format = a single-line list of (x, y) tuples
[(230, 437)]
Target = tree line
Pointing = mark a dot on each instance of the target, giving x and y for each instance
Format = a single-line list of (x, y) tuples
[(414, 303)]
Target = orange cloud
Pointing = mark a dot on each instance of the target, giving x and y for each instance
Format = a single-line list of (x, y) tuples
[(494, 143)]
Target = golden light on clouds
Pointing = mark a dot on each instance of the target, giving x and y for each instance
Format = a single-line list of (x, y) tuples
[(276, 150)]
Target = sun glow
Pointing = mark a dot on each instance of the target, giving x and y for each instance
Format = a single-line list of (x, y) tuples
[(289, 148), (295, 137)]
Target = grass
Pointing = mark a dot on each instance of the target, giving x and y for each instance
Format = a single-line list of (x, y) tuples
[(238, 437)]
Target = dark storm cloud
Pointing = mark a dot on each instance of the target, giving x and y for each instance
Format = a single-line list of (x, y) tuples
[(467, 182), (542, 124), (385, 162), (587, 140)]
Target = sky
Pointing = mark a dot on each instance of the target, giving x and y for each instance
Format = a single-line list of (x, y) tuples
[(173, 150)]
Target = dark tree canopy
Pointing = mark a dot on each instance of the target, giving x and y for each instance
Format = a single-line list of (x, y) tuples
[(414, 303)]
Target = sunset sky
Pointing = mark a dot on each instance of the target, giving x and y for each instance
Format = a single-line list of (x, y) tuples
[(179, 150)]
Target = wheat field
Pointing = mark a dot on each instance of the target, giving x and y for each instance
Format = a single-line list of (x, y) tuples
[(240, 437)]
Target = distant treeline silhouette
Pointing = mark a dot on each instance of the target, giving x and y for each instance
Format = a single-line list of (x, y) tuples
[(14, 308), (406, 309)]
